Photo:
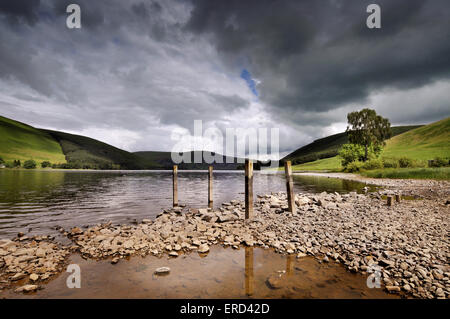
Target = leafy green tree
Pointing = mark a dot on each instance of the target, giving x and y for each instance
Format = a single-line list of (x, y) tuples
[(29, 164), (45, 164), (368, 129), (2, 161), (17, 163), (351, 153)]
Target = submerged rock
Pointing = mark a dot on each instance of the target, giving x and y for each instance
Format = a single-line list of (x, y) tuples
[(162, 270)]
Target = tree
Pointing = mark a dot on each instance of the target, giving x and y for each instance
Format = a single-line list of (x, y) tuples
[(30, 164), (45, 164), (368, 129)]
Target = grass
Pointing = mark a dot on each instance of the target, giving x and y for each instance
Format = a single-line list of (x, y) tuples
[(440, 173), (326, 164), (423, 143), (22, 142)]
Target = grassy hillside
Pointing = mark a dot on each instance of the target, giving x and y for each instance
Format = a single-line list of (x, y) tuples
[(328, 146), (424, 143), (88, 152), (19, 141)]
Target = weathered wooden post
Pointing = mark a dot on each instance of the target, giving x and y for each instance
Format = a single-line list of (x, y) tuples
[(289, 186), (210, 186), (248, 189), (175, 185), (249, 271), (398, 198), (389, 200)]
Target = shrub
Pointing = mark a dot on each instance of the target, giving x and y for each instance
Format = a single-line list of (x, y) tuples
[(9, 164), (404, 162), (390, 163), (2, 161), (45, 164), (439, 162), (30, 164), (373, 164), (354, 166), (17, 163)]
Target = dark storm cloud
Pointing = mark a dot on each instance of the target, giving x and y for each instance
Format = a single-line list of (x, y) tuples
[(319, 55), (17, 10)]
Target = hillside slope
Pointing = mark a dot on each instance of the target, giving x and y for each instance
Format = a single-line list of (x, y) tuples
[(88, 152), (19, 141), (426, 142), (422, 143), (328, 146)]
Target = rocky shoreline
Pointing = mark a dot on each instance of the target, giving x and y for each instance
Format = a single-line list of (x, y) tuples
[(409, 241)]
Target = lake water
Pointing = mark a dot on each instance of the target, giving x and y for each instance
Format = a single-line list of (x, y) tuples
[(222, 273), (34, 202)]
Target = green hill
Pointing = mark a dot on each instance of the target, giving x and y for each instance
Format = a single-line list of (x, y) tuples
[(19, 141), (424, 143), (90, 153), (328, 146)]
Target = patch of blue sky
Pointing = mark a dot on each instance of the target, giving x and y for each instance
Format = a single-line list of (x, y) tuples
[(251, 83)]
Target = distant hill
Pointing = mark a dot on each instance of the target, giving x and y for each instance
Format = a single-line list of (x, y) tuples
[(89, 152), (423, 143), (19, 141), (328, 146), (164, 160)]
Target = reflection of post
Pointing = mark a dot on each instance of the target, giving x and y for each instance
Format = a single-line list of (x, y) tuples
[(248, 189), (175, 186), (289, 264), (210, 187), (249, 271), (289, 186)]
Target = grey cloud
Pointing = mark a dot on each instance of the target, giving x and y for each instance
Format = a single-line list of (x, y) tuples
[(319, 55)]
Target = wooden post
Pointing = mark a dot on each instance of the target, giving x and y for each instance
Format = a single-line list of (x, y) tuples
[(249, 271), (210, 187), (398, 198), (389, 200), (175, 185), (289, 186), (248, 189)]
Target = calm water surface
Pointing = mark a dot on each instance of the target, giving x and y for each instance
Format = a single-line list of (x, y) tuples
[(34, 202)]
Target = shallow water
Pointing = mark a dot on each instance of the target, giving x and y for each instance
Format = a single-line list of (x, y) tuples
[(222, 273), (34, 202)]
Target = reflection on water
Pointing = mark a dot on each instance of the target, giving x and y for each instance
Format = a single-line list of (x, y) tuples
[(223, 273), (36, 201)]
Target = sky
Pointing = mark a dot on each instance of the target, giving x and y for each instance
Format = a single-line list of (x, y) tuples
[(137, 74)]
